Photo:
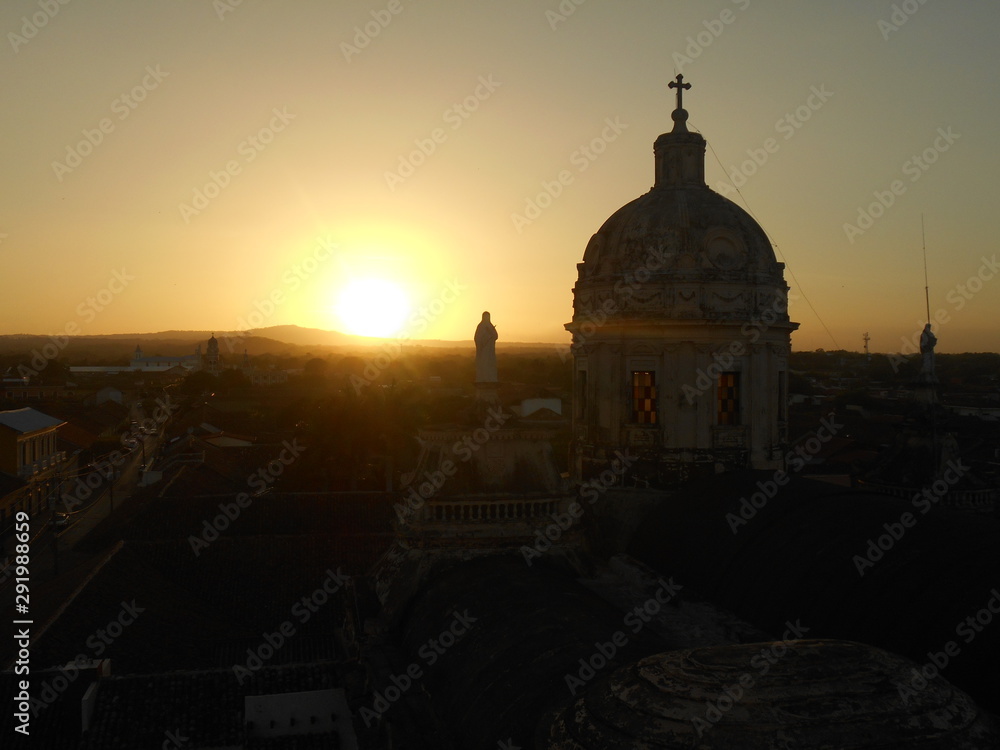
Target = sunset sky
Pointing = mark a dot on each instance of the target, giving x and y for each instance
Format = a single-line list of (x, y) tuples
[(218, 165)]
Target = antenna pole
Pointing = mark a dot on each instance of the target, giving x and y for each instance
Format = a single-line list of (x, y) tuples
[(927, 295)]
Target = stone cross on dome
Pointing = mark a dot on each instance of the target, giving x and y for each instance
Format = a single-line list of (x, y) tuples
[(679, 115), (680, 86)]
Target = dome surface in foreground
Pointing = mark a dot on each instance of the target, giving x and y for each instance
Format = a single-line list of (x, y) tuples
[(787, 694)]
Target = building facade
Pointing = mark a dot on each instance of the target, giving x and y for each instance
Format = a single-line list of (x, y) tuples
[(30, 462)]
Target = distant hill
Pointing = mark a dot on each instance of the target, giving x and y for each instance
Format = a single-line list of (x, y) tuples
[(288, 340), (312, 337), (291, 334)]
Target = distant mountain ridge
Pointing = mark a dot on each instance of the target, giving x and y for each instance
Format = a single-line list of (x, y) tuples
[(293, 340), (287, 334), (118, 348)]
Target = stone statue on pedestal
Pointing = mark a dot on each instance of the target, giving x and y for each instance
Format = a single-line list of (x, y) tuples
[(486, 356), (927, 343)]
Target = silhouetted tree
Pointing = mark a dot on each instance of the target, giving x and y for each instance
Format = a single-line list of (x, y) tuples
[(316, 369), (232, 381), (197, 383)]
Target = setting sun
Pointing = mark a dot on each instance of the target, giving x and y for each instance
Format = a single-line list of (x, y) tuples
[(372, 307)]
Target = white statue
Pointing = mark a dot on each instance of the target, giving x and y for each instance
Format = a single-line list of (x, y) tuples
[(486, 355), (927, 342)]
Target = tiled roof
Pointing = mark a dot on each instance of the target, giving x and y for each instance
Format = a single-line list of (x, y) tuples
[(196, 611), (77, 435), (93, 419), (27, 420)]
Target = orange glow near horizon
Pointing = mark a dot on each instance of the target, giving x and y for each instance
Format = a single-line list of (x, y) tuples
[(204, 158)]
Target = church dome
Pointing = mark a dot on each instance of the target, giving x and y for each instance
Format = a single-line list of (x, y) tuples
[(681, 250), (686, 235), (680, 329), (690, 231)]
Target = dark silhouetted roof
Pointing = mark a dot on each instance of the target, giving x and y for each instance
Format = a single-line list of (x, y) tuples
[(200, 611), (532, 626), (802, 555)]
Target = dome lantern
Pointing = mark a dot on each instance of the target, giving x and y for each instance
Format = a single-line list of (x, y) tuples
[(679, 154)]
